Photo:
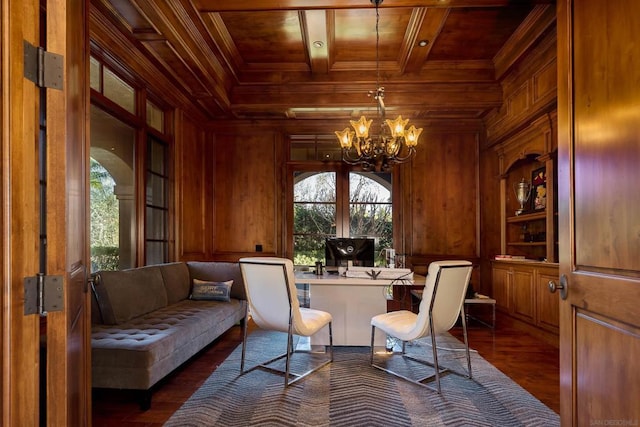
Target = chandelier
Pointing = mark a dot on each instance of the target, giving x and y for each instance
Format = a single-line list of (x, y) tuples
[(394, 144)]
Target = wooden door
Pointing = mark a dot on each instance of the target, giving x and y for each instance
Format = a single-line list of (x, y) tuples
[(46, 360), (599, 210), (19, 225), (68, 345)]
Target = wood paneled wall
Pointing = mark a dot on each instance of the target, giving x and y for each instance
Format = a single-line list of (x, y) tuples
[(529, 91), (248, 194), (229, 191), (236, 184), (529, 94), (193, 191), (442, 196)]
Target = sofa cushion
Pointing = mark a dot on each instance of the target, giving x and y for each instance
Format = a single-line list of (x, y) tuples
[(219, 272), (123, 295), (176, 281), (211, 291)]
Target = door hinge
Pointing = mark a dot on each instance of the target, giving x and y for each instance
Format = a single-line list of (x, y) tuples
[(43, 68), (43, 294)]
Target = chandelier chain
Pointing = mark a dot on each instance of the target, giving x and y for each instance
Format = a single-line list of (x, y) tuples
[(393, 145), (377, 48)]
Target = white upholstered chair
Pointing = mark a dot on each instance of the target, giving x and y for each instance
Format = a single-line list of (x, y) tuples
[(441, 306), (273, 304)]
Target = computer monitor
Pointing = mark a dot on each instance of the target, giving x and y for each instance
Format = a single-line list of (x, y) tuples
[(340, 250)]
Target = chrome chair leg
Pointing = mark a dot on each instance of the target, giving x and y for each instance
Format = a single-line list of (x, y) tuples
[(331, 341), (466, 343), (244, 337), (290, 351), (434, 349), (373, 333)]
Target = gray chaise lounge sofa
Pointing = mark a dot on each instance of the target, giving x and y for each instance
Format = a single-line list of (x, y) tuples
[(145, 325)]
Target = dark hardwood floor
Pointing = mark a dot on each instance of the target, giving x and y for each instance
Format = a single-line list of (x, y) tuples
[(528, 361)]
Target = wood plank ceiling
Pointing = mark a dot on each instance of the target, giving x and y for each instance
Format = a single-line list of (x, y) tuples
[(316, 59)]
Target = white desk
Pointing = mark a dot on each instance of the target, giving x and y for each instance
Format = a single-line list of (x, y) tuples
[(352, 302)]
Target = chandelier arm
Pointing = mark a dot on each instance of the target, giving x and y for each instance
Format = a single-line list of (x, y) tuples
[(397, 159), (350, 159)]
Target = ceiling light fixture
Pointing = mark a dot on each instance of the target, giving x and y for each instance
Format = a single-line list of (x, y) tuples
[(393, 145)]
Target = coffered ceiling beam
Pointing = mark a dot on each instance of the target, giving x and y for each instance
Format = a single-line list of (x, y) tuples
[(540, 20), (429, 25), (253, 5), (183, 31), (421, 96), (316, 37)]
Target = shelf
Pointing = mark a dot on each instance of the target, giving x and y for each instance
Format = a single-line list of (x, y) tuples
[(527, 217), (527, 243)]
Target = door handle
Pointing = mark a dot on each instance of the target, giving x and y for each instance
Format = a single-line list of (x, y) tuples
[(562, 286)]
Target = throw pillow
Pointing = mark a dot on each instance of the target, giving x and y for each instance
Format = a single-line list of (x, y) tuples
[(211, 291)]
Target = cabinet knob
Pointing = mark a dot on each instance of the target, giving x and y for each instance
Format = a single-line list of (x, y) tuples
[(562, 287)]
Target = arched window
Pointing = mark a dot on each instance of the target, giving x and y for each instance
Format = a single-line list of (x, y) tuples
[(339, 204)]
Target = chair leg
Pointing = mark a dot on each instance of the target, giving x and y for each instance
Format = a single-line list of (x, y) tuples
[(422, 381), (289, 350), (287, 355), (373, 333), (466, 344), (331, 341), (244, 339), (435, 357)]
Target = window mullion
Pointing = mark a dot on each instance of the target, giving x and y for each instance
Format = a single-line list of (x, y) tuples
[(342, 203)]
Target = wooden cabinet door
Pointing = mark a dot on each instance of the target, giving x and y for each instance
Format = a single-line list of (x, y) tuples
[(523, 294), (598, 216), (501, 279), (547, 305)]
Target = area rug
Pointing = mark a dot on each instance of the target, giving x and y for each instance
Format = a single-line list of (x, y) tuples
[(349, 392)]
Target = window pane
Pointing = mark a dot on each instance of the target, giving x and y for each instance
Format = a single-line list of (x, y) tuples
[(315, 187), (314, 218), (370, 187), (156, 224), (156, 218), (156, 190), (370, 209), (156, 156), (118, 91), (314, 215), (156, 253), (95, 77), (308, 249), (315, 148), (155, 117)]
